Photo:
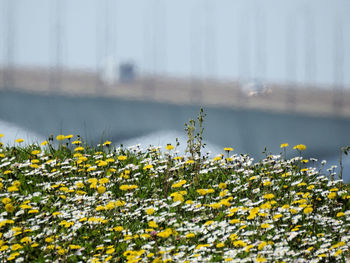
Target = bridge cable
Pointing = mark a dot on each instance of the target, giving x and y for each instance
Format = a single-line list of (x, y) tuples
[(338, 101), (210, 40), (260, 48), (291, 62), (244, 55), (196, 55), (56, 72), (309, 55), (10, 38)]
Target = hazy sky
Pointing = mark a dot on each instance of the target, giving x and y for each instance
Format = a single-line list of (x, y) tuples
[(262, 39)]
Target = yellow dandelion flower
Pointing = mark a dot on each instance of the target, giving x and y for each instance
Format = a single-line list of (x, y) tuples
[(110, 205), (308, 210), (74, 247), (9, 208), (35, 152), (61, 251), (127, 187), (300, 147), (205, 191), (166, 233), (266, 205), (177, 197), (100, 208), (13, 256), (34, 166), (79, 149), (261, 259), (49, 240), (265, 225), (332, 195), (119, 203), (233, 237), (269, 196), (277, 216), (190, 235), (118, 229), (152, 224), (101, 189), (338, 252), (4, 247), (102, 163), (339, 214), (239, 243), (286, 206), (169, 147), (6, 200), (247, 248), (310, 187), (179, 184), (25, 206), (208, 223), (217, 158), (103, 181), (267, 183), (56, 213), (284, 145), (60, 137), (80, 185), (107, 143), (202, 245), (26, 240), (150, 211), (122, 158), (262, 245), (222, 186), (235, 221)]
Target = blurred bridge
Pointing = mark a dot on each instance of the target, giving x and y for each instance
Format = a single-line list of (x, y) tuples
[(272, 97), (246, 116)]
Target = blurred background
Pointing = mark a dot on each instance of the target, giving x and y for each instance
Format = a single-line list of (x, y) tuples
[(265, 72)]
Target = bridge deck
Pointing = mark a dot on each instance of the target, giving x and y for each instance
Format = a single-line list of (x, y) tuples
[(272, 97)]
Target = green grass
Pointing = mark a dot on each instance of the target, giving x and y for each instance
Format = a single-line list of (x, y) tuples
[(72, 202)]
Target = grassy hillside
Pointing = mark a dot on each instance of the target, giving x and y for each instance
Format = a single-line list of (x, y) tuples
[(64, 201)]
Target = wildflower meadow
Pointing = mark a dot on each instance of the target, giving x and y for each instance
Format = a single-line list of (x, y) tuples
[(65, 201)]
